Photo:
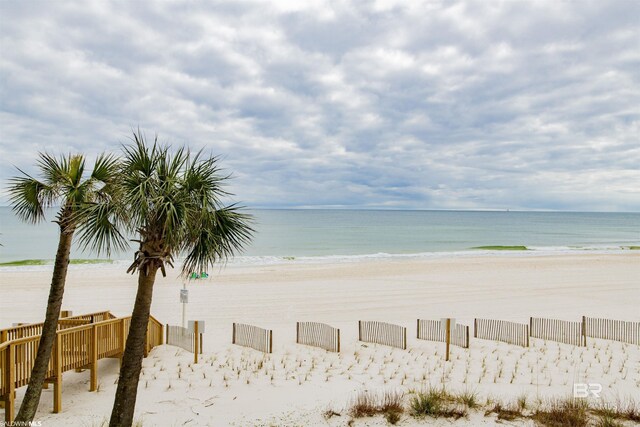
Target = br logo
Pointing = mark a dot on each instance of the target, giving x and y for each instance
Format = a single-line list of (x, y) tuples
[(587, 389)]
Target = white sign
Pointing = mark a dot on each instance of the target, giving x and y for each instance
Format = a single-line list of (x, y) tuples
[(184, 296), (192, 326), (443, 324)]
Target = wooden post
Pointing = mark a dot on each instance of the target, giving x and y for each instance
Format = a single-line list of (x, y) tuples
[(10, 383), (338, 340), (57, 384), (196, 338), (584, 331), (528, 335), (167, 334), (297, 332), (4, 336), (467, 328), (94, 359), (448, 338), (405, 338), (359, 330), (233, 336), (418, 328), (475, 328), (270, 341), (65, 313), (201, 343)]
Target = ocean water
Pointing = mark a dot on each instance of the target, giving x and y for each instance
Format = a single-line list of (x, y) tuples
[(343, 235)]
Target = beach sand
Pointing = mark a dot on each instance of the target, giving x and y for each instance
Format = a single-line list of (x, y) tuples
[(296, 384)]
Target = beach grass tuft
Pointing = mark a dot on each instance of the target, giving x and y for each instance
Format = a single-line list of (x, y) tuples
[(368, 404), (563, 412)]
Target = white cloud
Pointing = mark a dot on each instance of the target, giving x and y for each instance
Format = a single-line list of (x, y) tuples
[(388, 104)]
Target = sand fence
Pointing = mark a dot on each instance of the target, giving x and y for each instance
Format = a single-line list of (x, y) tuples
[(563, 331), (382, 333), (318, 335), (185, 338), (432, 330), (608, 329), (252, 336), (501, 330)]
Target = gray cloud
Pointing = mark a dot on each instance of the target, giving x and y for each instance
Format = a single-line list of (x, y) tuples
[(470, 105)]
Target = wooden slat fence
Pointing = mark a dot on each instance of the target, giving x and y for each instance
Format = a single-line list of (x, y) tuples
[(501, 330), (253, 337), (563, 331), (382, 333), (181, 337), (431, 330), (31, 329), (616, 330), (74, 348), (318, 335)]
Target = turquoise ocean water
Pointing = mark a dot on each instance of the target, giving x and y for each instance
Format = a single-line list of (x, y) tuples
[(343, 235)]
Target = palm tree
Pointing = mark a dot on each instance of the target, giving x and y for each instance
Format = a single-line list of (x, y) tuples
[(63, 183), (174, 206)]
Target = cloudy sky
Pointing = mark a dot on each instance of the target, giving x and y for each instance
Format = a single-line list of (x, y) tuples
[(369, 104)]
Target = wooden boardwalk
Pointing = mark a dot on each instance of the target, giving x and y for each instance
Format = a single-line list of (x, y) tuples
[(80, 342)]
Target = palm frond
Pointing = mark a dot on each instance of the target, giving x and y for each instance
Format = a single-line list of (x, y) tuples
[(99, 227), (30, 197), (221, 234)]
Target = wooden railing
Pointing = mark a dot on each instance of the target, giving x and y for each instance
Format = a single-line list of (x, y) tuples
[(75, 347), (31, 329)]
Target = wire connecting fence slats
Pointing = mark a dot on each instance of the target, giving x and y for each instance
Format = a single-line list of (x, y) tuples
[(616, 330), (318, 335), (501, 330), (431, 330), (382, 333), (563, 331), (252, 337)]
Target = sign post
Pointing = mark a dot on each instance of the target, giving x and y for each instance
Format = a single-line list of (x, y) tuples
[(184, 299)]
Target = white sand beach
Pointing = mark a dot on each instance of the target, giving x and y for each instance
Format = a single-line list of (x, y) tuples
[(296, 385)]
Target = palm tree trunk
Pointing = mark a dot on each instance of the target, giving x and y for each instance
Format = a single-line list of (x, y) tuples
[(125, 400), (31, 399)]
